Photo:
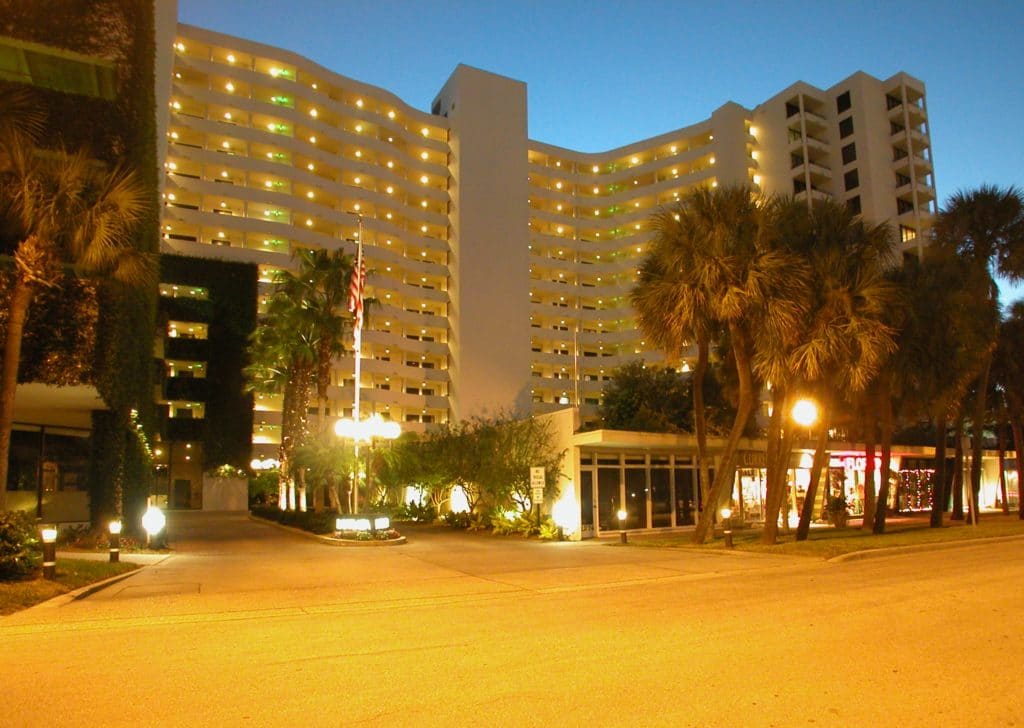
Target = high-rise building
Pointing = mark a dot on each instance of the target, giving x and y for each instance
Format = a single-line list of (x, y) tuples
[(502, 265)]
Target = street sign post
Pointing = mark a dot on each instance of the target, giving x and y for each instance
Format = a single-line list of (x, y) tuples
[(537, 489)]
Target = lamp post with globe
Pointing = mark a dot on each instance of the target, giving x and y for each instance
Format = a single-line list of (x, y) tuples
[(365, 432)]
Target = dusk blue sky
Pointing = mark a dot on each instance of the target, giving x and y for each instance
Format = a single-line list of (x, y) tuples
[(603, 74)]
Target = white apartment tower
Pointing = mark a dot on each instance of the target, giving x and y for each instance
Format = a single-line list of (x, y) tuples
[(502, 264)]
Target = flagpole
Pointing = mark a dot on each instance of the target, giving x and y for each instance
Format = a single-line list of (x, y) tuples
[(357, 347), (357, 339)]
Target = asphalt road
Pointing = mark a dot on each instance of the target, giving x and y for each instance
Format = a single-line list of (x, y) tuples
[(246, 624)]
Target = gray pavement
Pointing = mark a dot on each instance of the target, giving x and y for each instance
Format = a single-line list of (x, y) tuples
[(246, 624)]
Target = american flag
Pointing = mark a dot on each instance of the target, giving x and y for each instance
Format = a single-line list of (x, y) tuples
[(355, 290)]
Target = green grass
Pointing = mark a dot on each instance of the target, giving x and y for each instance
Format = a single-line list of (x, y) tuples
[(71, 574), (827, 543)]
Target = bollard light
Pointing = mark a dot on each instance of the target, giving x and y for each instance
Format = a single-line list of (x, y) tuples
[(623, 537), (49, 534), (727, 527), (153, 520), (114, 527)]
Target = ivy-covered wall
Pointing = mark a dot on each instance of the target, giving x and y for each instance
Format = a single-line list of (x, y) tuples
[(230, 312), (118, 131)]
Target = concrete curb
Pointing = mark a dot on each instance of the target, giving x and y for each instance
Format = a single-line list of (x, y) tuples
[(89, 589), (327, 539), (937, 546)]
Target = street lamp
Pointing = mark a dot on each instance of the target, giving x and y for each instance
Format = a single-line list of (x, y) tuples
[(114, 527), (153, 520), (365, 431), (805, 412), (49, 534), (622, 524)]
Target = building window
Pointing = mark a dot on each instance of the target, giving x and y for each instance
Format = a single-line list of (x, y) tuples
[(843, 102), (799, 185), (902, 206), (907, 234), (846, 127), (853, 205), (851, 179), (849, 153)]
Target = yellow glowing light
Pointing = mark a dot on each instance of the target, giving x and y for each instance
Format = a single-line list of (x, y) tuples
[(275, 72), (634, 160), (712, 160), (391, 114), (153, 520), (310, 194), (757, 179), (114, 527), (312, 140), (390, 189), (231, 57), (49, 534), (424, 179), (595, 169), (359, 154), (180, 46), (314, 113), (726, 512), (359, 128), (672, 149), (621, 515), (310, 167), (359, 103), (357, 180), (309, 222), (558, 185), (229, 86), (424, 131), (458, 502), (805, 412)]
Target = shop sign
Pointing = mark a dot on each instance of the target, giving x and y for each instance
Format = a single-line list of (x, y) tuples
[(751, 459)]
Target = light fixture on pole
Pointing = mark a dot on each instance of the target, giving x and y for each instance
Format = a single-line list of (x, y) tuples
[(49, 534), (623, 537), (364, 432), (727, 526), (153, 521), (114, 527)]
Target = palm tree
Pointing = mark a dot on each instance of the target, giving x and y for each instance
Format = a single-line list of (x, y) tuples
[(673, 311), (985, 227), (1009, 373), (941, 346), (69, 211), (743, 282)]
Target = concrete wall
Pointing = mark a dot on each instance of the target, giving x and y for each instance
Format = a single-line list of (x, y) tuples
[(489, 264), (225, 494)]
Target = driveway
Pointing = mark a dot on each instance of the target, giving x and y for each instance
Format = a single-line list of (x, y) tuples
[(230, 563)]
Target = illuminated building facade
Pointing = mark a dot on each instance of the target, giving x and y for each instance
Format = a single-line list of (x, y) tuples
[(502, 264)]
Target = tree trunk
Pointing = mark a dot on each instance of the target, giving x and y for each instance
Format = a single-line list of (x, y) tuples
[(21, 297), (1018, 451), (301, 491), (939, 476), (957, 513), (779, 438), (978, 434), (700, 422), (885, 404), (869, 471), (817, 467), (726, 473), (1001, 427)]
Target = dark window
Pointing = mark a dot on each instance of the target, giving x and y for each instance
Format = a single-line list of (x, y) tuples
[(891, 102), (799, 186), (895, 128), (846, 127), (902, 179), (791, 109), (849, 153), (853, 204), (843, 102), (903, 206), (851, 179)]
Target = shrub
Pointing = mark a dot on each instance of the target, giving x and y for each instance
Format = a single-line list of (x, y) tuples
[(20, 547), (319, 523), (457, 520), (425, 513)]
